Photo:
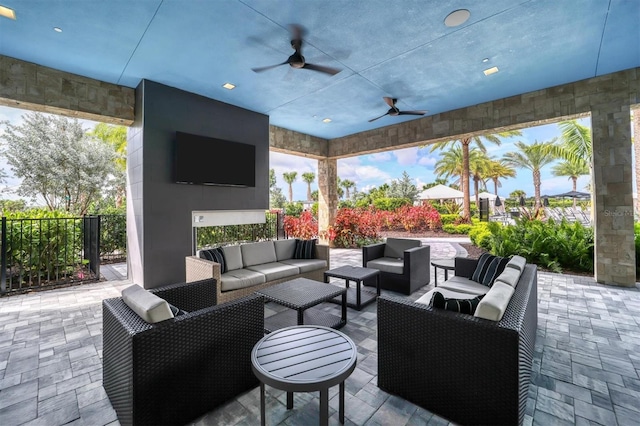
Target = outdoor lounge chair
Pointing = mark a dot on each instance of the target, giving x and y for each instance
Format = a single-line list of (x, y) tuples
[(173, 371)]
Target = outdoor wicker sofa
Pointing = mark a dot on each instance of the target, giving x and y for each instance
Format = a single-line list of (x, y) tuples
[(467, 369), (254, 266), (173, 371)]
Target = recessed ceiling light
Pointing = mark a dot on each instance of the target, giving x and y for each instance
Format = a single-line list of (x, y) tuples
[(57, 29), (457, 17), (7, 13), (485, 60), (229, 86), (491, 70), (326, 120)]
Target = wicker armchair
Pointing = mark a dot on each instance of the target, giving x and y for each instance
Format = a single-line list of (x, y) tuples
[(415, 265), (176, 370), (467, 369)]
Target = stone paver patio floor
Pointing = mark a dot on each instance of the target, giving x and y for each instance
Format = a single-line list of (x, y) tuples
[(586, 363)]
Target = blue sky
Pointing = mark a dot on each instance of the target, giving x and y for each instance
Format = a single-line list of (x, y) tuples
[(372, 170)]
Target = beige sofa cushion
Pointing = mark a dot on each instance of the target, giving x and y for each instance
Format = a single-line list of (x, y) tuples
[(232, 257), (517, 262), (494, 304), (464, 285), (284, 249), (275, 270), (148, 306), (395, 247), (240, 278), (307, 265), (258, 253), (509, 276), (387, 264), (426, 298)]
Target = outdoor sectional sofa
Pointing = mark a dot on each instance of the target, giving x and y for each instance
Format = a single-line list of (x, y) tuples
[(468, 369), (254, 266)]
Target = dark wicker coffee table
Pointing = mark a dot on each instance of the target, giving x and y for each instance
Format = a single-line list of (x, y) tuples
[(358, 297), (304, 359), (301, 295)]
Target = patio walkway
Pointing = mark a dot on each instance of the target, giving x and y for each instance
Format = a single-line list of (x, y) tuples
[(586, 364)]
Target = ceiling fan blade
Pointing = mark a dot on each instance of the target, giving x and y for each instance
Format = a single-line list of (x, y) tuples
[(260, 69), (321, 68), (412, 113), (374, 119), (390, 101)]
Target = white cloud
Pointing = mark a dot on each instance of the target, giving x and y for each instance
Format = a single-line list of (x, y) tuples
[(380, 157), (427, 161), (406, 157), (372, 173)]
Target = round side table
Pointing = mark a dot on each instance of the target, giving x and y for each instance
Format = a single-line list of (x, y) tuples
[(446, 264), (304, 359)]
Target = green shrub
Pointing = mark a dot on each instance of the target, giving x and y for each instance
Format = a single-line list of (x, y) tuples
[(552, 245), (462, 228), (448, 219), (480, 235), (293, 209), (391, 204)]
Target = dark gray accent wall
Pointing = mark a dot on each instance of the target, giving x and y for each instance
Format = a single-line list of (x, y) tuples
[(159, 210)]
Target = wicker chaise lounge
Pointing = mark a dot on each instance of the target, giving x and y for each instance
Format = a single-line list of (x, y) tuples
[(468, 369), (176, 370)]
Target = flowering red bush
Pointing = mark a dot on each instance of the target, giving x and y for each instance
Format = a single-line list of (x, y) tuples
[(304, 227), (354, 227), (418, 218)]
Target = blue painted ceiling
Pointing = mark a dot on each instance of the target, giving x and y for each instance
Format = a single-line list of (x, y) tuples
[(400, 49)]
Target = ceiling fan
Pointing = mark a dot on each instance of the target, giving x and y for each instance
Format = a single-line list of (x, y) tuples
[(297, 60), (395, 111)]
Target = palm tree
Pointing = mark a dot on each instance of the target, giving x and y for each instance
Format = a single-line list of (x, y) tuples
[(572, 169), (533, 157), (465, 143), (497, 169), (450, 164), (309, 177), (478, 163), (347, 184), (290, 177)]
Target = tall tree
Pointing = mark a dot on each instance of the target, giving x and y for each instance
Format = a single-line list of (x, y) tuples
[(289, 178), (478, 163), (403, 188), (573, 170), (465, 143), (309, 177), (532, 157), (58, 161), (276, 197), (116, 136), (450, 165), (347, 185), (496, 170)]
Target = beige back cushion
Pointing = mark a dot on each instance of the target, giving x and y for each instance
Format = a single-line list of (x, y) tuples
[(517, 262), (232, 257), (285, 248), (509, 276), (395, 247), (148, 306), (258, 253)]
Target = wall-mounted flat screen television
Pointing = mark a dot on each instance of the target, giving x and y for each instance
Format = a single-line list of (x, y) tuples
[(203, 160)]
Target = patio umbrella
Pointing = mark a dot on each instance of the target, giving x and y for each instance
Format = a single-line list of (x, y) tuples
[(572, 194), (497, 202), (523, 202), (545, 201)]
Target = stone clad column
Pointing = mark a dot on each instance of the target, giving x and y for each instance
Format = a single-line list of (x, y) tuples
[(614, 254), (327, 195)]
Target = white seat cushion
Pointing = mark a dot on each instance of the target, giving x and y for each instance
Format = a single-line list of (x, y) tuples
[(307, 265), (464, 285), (275, 270), (387, 264), (495, 302), (240, 278), (148, 306)]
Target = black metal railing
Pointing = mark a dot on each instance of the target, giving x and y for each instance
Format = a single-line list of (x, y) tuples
[(47, 252), (271, 229)]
